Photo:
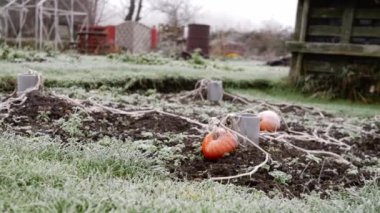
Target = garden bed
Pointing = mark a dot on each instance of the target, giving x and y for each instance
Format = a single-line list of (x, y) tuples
[(314, 152)]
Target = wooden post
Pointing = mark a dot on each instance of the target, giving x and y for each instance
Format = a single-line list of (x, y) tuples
[(36, 25), (348, 20), (72, 21), (41, 26), (300, 34), (56, 25), (293, 75), (19, 35), (304, 20), (298, 20)]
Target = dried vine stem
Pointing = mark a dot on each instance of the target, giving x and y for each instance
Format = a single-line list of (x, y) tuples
[(202, 86), (256, 168), (71, 101), (334, 141), (142, 113), (286, 138), (119, 111), (303, 135), (200, 89), (237, 98)]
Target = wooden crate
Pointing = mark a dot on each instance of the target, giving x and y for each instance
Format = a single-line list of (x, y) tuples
[(333, 34)]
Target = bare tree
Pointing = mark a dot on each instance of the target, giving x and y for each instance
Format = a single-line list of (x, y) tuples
[(131, 10), (134, 11), (178, 12), (96, 10), (139, 9)]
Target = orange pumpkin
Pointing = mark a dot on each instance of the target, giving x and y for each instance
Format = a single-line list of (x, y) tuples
[(269, 121), (219, 143)]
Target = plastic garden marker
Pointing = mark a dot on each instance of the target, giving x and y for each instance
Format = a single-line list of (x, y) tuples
[(248, 125), (25, 82), (215, 91)]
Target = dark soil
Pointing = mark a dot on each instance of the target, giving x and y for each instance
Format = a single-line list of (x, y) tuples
[(27, 120), (301, 174), (307, 175)]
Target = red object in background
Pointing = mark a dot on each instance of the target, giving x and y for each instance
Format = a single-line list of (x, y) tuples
[(154, 38), (97, 40), (111, 34)]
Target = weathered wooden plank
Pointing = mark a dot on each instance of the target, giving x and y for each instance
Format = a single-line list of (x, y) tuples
[(303, 31), (294, 74), (373, 13), (323, 30), (367, 13), (366, 32), (335, 67), (326, 13), (348, 20), (297, 30), (302, 19), (319, 66), (334, 49)]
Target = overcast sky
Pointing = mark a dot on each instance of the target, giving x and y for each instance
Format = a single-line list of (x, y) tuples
[(239, 14)]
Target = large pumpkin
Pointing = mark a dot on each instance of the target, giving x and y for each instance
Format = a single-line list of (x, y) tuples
[(269, 121), (219, 143)]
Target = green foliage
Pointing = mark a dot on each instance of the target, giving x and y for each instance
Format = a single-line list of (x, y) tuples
[(281, 177), (12, 55), (5, 52), (197, 59), (352, 83), (151, 92), (7, 83), (50, 51), (73, 123), (44, 116)]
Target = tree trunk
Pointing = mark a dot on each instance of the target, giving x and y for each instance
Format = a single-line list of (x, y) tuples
[(93, 10), (131, 10), (138, 16)]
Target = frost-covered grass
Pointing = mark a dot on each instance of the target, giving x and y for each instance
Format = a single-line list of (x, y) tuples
[(96, 68), (38, 175), (290, 96)]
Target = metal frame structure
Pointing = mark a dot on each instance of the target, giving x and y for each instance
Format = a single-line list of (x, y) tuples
[(44, 10)]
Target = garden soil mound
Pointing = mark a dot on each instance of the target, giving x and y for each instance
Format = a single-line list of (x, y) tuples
[(41, 115), (291, 172)]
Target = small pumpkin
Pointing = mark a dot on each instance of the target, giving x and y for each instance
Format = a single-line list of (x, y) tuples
[(219, 143), (270, 121)]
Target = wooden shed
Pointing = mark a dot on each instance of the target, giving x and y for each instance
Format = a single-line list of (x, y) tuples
[(333, 34), (133, 37)]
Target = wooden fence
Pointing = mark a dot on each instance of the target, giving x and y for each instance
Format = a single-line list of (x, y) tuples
[(333, 34)]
